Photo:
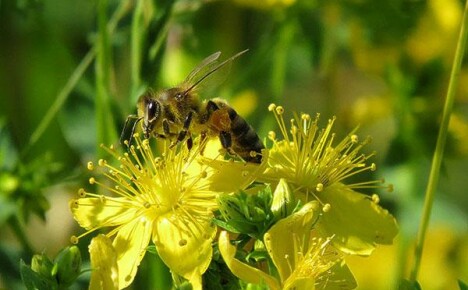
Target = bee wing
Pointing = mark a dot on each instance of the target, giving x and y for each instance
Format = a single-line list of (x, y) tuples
[(206, 63), (209, 66)]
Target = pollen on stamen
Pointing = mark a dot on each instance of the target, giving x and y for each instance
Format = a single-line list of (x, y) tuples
[(305, 117), (271, 107), (390, 188), (81, 192), (253, 153), (373, 167), (375, 198), (203, 174), (279, 110), (92, 180), (76, 204), (354, 138), (182, 242), (319, 187), (102, 162), (74, 240), (293, 130), (90, 166), (326, 207), (272, 135)]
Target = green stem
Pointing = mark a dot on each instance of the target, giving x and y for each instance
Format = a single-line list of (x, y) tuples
[(105, 128), (439, 150), (62, 96), (137, 36)]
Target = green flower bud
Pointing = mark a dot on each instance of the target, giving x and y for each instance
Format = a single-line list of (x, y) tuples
[(42, 265), (283, 200), (68, 264)]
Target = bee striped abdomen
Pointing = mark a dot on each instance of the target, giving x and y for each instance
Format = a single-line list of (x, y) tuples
[(244, 138)]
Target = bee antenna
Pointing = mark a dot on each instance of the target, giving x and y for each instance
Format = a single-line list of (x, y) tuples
[(214, 69)]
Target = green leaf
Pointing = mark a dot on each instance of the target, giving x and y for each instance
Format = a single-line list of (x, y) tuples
[(409, 285), (462, 285), (35, 281)]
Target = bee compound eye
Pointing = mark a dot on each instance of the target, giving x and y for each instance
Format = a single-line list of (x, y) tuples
[(151, 110)]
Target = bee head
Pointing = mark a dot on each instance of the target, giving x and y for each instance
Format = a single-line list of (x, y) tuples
[(152, 114)]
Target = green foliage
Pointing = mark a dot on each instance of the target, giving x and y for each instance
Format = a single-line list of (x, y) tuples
[(44, 274), (71, 71)]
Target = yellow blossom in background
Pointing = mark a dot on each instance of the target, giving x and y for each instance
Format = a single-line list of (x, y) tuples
[(167, 199), (303, 260), (315, 166)]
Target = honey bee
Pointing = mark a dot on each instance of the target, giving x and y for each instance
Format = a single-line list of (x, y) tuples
[(178, 112)]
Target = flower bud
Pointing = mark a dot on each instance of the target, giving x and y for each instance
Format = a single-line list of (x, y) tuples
[(68, 264)]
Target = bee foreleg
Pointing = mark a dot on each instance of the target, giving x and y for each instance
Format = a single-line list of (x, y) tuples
[(185, 128), (166, 128)]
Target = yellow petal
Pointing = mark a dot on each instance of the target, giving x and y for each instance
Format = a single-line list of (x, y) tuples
[(130, 244), (102, 212), (231, 176), (280, 246), (183, 246), (356, 222), (104, 269), (245, 272)]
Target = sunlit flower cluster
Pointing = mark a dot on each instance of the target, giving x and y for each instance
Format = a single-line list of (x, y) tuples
[(316, 166), (167, 199), (180, 199)]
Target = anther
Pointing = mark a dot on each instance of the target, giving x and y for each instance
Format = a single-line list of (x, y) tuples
[(92, 180), (90, 166), (271, 107), (279, 110), (81, 192), (272, 135), (326, 207), (74, 240), (319, 187), (375, 198)]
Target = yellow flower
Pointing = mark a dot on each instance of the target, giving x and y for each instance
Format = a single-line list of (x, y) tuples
[(315, 166), (302, 259), (167, 199)]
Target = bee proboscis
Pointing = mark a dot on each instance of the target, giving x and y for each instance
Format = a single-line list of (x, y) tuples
[(178, 112)]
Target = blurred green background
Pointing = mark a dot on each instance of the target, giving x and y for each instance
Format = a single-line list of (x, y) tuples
[(71, 72)]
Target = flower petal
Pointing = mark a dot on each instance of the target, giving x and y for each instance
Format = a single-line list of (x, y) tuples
[(130, 245), (245, 272), (231, 176), (280, 245), (103, 212), (105, 273), (356, 222), (184, 247), (338, 277)]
